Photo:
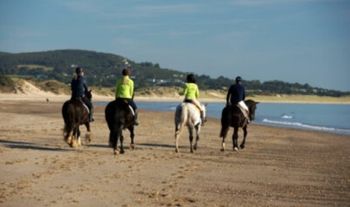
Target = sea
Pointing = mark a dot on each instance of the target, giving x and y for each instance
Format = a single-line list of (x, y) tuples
[(333, 118)]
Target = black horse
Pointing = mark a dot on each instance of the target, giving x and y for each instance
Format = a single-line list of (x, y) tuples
[(75, 113), (232, 116), (119, 116)]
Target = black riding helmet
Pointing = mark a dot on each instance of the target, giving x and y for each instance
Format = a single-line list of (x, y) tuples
[(238, 79), (190, 78), (79, 70)]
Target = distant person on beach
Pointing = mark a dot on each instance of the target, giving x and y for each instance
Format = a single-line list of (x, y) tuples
[(125, 91), (79, 89), (191, 93), (236, 96)]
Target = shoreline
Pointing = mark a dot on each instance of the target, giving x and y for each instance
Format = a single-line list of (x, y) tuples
[(43, 96), (62, 98)]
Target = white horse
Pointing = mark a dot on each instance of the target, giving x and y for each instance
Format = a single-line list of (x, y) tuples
[(187, 114)]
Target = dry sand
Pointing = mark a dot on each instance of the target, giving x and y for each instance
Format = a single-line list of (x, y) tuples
[(279, 167)]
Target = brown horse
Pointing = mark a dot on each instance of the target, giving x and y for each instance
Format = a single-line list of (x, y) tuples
[(119, 116), (232, 116), (75, 113)]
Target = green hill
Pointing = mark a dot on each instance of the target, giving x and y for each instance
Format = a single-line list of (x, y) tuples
[(102, 70)]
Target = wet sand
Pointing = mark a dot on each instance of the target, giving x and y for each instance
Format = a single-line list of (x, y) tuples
[(278, 167)]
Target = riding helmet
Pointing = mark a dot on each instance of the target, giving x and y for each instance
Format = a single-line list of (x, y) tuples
[(238, 79)]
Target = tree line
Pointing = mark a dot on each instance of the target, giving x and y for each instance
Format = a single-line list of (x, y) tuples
[(102, 69)]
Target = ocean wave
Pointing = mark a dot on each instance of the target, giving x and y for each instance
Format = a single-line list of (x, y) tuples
[(285, 116), (301, 125)]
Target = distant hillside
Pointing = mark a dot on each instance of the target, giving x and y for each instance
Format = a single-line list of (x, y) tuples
[(102, 70)]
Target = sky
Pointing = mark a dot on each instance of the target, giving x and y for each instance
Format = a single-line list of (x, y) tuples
[(304, 41)]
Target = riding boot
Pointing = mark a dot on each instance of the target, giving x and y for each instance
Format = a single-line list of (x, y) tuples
[(135, 119)]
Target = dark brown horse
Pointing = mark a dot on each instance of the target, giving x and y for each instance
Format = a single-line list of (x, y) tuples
[(75, 113), (232, 116), (119, 116)]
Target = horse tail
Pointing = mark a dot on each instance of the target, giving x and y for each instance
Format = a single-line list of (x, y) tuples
[(68, 117), (181, 117), (225, 121)]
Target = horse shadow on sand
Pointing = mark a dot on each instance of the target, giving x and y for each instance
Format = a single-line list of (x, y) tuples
[(29, 145)]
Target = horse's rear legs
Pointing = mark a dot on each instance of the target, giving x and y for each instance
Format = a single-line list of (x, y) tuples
[(223, 134), (132, 135), (190, 130), (197, 137), (235, 139), (88, 133), (178, 129), (245, 133), (113, 140)]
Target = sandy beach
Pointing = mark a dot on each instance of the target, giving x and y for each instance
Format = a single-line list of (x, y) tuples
[(278, 167)]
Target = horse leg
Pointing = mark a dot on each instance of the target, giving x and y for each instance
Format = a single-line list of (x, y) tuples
[(223, 134), (190, 130), (73, 142), (88, 133), (245, 131), (113, 140), (78, 137), (132, 135), (178, 131), (197, 128), (121, 138), (235, 139), (68, 133)]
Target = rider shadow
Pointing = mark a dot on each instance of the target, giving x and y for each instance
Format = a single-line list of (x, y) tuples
[(29, 145)]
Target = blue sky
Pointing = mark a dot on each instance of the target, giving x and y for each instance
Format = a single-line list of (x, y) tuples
[(305, 41)]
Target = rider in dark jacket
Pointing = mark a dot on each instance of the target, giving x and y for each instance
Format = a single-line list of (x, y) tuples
[(236, 96), (79, 89)]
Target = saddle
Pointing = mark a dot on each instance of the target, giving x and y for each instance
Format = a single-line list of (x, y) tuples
[(189, 101), (243, 111), (122, 102), (82, 103), (85, 106)]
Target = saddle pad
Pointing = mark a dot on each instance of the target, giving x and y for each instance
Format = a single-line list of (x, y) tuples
[(85, 106)]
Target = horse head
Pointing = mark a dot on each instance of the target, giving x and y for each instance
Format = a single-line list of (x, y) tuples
[(252, 107)]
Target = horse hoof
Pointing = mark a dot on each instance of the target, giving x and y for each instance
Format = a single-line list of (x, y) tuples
[(68, 140), (88, 137), (235, 149), (222, 149), (122, 151), (242, 146), (176, 150), (116, 152), (132, 146)]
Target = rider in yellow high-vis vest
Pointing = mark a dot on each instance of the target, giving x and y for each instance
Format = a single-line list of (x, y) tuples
[(191, 93), (124, 90)]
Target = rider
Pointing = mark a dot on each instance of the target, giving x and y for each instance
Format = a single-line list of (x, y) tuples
[(236, 96), (125, 91), (191, 94), (79, 89)]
